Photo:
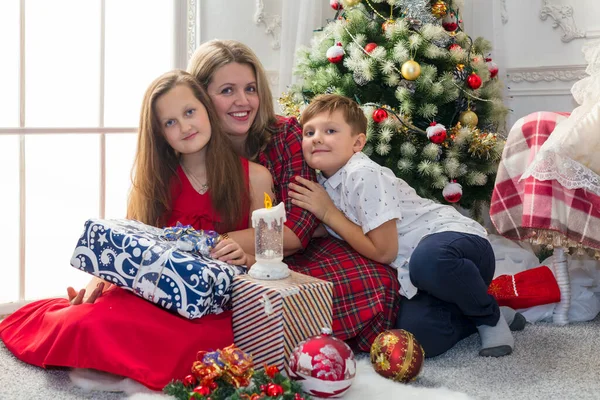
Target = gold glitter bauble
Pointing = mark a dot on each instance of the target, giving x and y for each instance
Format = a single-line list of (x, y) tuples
[(468, 118), (439, 9), (410, 70)]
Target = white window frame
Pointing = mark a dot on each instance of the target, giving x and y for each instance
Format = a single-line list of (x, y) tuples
[(186, 37)]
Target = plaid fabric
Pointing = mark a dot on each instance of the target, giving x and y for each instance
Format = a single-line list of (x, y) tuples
[(520, 208), (366, 294), (283, 158)]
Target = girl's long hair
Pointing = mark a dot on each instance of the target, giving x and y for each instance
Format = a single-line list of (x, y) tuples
[(156, 163), (214, 54)]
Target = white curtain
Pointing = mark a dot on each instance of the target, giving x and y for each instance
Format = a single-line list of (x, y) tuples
[(299, 20)]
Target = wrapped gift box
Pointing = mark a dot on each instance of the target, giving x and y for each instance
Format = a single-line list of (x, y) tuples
[(139, 258), (271, 317)]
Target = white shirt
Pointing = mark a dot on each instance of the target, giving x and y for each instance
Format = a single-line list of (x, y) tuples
[(370, 195)]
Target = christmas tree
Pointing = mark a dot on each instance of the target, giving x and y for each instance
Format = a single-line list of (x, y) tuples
[(430, 92)]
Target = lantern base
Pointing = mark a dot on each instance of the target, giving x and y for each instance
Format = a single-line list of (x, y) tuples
[(271, 270)]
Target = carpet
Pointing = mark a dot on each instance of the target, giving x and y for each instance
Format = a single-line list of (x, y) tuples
[(549, 362)]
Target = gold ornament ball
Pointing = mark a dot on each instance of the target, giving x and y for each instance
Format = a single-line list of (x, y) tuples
[(439, 9), (468, 118), (350, 3), (410, 70)]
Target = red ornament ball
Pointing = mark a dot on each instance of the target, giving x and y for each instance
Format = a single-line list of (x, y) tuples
[(202, 390), (450, 22), (335, 4), (369, 47), (274, 390), (380, 115), (454, 46), (335, 53), (474, 81), (492, 67), (452, 192), (436, 133), (397, 355), (324, 365)]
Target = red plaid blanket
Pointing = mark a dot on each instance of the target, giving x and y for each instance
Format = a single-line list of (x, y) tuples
[(520, 208)]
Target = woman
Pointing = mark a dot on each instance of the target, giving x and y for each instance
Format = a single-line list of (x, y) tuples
[(365, 293)]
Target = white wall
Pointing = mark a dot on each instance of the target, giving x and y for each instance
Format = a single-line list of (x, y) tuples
[(537, 64)]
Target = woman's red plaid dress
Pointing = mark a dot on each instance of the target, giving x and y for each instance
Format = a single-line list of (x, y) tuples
[(365, 296)]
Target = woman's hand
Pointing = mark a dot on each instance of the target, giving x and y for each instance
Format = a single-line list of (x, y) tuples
[(229, 251), (77, 298)]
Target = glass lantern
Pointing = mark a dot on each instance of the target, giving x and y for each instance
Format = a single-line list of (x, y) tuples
[(268, 236)]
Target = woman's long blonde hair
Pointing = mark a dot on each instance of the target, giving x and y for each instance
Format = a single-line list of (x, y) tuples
[(156, 163), (211, 56)]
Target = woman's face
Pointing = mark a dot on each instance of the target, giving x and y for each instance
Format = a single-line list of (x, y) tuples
[(234, 93)]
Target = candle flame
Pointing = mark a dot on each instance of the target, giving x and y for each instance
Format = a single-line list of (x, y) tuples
[(268, 203)]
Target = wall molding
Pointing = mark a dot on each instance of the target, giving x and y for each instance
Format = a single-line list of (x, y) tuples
[(503, 12), (193, 31), (272, 23), (562, 17), (539, 92), (563, 73), (273, 78)]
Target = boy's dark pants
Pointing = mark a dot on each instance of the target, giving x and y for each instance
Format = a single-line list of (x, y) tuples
[(452, 271)]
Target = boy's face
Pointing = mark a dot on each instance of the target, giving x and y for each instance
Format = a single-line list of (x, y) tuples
[(328, 143)]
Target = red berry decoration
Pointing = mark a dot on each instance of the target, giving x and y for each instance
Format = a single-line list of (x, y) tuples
[(454, 46), (436, 133), (298, 397), (380, 115), (335, 53), (335, 4), (189, 380), (452, 192), (492, 67), (202, 390), (474, 81), (274, 390), (370, 47)]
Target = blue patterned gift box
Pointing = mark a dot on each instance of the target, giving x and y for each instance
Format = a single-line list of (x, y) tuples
[(140, 258)]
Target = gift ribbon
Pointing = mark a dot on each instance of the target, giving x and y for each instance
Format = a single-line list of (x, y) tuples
[(192, 240)]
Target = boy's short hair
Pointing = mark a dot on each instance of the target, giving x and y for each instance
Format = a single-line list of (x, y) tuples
[(329, 103)]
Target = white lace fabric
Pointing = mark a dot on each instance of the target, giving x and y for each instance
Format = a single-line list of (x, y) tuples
[(572, 142)]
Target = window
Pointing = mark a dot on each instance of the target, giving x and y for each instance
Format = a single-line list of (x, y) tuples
[(73, 76)]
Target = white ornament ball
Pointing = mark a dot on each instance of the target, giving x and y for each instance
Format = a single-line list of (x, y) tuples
[(436, 133), (324, 366), (452, 192), (335, 53)]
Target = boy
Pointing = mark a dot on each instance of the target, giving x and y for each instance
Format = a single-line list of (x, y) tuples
[(444, 260)]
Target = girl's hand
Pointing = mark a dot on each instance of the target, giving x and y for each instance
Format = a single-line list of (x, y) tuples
[(229, 251), (77, 298), (312, 197)]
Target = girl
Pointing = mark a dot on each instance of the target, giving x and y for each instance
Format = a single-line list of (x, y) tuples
[(184, 172)]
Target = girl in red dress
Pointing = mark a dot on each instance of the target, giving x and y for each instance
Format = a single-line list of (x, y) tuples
[(184, 171)]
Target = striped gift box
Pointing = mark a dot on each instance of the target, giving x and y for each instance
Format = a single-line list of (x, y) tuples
[(270, 318)]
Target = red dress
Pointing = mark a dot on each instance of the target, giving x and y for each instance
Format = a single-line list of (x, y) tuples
[(365, 293), (121, 333)]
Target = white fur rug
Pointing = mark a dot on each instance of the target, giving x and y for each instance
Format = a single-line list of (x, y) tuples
[(367, 385)]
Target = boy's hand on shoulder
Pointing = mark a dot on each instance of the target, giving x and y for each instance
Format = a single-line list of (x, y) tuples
[(312, 197)]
